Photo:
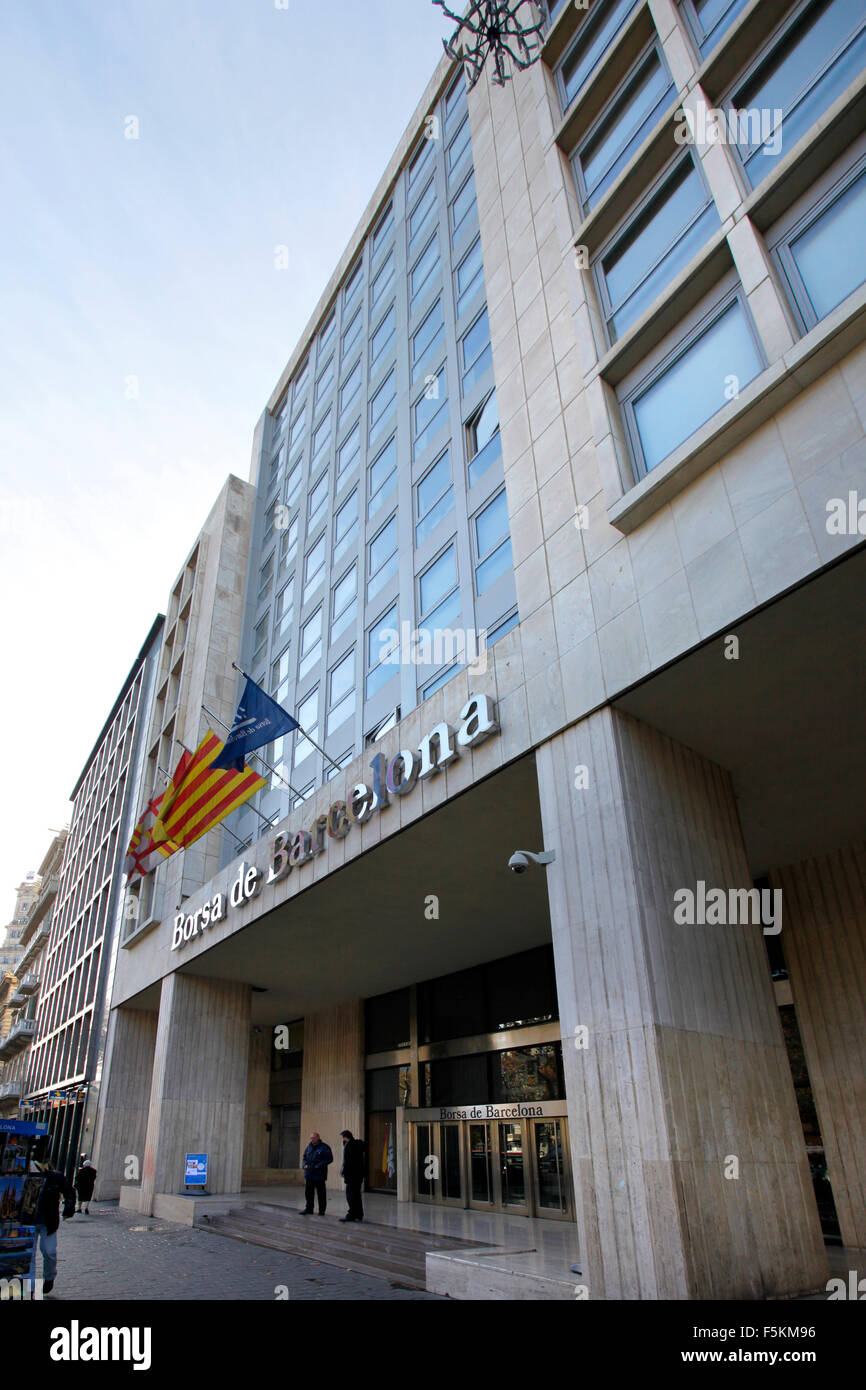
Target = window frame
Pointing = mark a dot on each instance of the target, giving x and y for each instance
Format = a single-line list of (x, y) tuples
[(711, 37), (477, 558), (666, 354), (566, 103)]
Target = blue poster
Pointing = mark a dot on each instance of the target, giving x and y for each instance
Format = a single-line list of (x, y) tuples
[(196, 1170)]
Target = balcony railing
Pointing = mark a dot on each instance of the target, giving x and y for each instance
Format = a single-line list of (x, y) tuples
[(41, 906), (29, 983), (22, 1033), (35, 946), (10, 1089)]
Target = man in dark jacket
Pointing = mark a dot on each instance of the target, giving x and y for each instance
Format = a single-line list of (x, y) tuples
[(353, 1170), (317, 1157), (55, 1186)]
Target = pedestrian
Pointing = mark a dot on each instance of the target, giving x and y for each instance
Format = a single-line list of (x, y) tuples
[(317, 1158), (353, 1170), (54, 1185), (85, 1181)]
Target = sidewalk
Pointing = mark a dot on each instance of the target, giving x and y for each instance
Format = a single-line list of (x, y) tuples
[(114, 1254)]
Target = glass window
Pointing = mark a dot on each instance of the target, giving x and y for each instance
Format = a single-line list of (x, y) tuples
[(284, 611), (350, 451), (351, 334), (442, 679), (325, 380), (346, 525), (438, 592), (430, 412), (455, 103), (384, 335), (289, 541), (655, 245), (434, 497), (353, 284), (492, 542), (420, 160), (260, 640), (382, 478), (293, 482), (307, 716), (350, 388), (483, 439), (299, 385), (710, 19), (384, 229), (469, 277), (820, 53), (421, 277), (298, 427), (829, 256), (345, 604), (420, 215), (266, 576), (278, 419), (315, 567), (328, 331), (318, 500), (280, 676), (311, 643), (688, 392), (340, 764), (598, 30), (463, 212), (382, 280), (459, 147), (383, 557), (383, 400), (637, 105), (322, 436), (501, 629), (428, 339), (382, 653), (341, 692), (476, 352)]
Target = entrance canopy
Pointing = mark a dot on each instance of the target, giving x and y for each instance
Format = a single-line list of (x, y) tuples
[(435, 898)]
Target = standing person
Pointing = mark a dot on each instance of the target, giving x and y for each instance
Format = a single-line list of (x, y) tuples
[(56, 1184), (353, 1169), (316, 1160), (85, 1181)]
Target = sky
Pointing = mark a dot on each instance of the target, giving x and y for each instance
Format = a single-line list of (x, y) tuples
[(143, 320)]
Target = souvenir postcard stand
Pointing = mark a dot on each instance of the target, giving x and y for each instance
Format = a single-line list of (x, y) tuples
[(19, 1198)]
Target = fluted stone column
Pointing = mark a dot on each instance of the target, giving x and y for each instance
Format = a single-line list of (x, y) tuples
[(685, 1067), (122, 1119), (199, 1090), (824, 943)]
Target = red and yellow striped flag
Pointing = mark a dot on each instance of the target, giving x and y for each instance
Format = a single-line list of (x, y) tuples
[(197, 799)]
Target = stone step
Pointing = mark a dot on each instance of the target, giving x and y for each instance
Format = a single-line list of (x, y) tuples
[(388, 1237), (369, 1256)]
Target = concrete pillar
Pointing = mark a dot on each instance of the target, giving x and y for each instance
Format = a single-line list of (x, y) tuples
[(122, 1118), (824, 943), (332, 1089), (198, 1094), (685, 1067), (258, 1110)]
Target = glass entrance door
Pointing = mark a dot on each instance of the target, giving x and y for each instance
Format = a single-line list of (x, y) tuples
[(482, 1192), (551, 1178), (513, 1195), (437, 1159)]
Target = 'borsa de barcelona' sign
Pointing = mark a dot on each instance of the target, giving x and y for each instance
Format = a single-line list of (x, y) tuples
[(394, 778)]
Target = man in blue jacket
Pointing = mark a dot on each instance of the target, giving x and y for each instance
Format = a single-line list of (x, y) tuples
[(54, 1187), (317, 1157)]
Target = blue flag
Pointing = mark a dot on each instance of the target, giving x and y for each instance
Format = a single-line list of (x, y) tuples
[(259, 720)]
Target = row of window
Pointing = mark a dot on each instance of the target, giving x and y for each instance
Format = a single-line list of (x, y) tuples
[(809, 59)]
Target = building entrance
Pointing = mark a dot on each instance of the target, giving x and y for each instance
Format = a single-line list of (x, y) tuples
[(502, 1162)]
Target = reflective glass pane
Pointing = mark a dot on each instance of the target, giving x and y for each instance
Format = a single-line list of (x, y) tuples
[(596, 34), (449, 1172), (438, 580), (694, 388), (612, 145), (480, 1163), (831, 254), (512, 1166), (549, 1161)]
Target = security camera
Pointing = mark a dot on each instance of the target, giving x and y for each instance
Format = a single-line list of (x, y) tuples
[(522, 858)]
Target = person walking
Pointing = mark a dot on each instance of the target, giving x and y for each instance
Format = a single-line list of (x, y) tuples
[(353, 1169), (316, 1161), (85, 1181), (54, 1186)]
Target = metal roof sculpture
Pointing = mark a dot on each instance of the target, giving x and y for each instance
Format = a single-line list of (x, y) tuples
[(491, 29)]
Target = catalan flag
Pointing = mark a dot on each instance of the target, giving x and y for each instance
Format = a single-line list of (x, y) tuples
[(142, 855), (198, 797)]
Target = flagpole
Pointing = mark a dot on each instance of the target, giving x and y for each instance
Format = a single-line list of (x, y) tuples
[(257, 756), (268, 823), (236, 838), (334, 765)]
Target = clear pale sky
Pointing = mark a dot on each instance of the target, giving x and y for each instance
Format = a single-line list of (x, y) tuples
[(154, 259)]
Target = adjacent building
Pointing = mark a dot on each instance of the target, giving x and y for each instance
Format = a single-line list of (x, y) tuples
[(590, 380)]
